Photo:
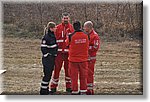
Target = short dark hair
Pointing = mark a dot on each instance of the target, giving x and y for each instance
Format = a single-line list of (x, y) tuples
[(65, 14), (77, 25)]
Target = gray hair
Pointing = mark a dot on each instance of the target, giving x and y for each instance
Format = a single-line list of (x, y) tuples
[(89, 24)]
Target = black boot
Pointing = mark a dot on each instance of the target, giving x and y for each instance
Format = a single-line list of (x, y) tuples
[(44, 91), (75, 93)]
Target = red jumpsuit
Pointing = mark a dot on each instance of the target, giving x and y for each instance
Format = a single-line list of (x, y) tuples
[(78, 57), (94, 45), (62, 57)]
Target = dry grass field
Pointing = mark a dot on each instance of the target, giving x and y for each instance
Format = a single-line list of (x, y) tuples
[(118, 68)]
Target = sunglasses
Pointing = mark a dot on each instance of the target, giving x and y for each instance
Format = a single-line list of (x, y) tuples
[(65, 18)]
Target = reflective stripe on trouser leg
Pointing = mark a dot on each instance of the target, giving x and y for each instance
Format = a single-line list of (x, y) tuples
[(54, 84), (68, 82), (90, 90), (58, 41), (55, 81), (44, 88), (44, 85), (90, 86), (75, 92), (83, 92)]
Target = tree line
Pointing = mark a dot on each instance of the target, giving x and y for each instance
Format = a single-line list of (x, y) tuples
[(111, 21)]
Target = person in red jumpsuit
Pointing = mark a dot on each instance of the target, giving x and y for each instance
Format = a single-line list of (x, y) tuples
[(62, 31), (94, 45), (78, 43)]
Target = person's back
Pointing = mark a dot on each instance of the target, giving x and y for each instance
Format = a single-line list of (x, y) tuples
[(78, 44), (78, 47)]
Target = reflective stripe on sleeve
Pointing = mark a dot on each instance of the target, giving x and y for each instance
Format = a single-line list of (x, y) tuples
[(66, 50), (58, 41), (52, 46), (42, 45), (59, 49)]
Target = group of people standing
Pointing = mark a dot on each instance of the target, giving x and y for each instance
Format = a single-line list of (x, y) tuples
[(68, 46)]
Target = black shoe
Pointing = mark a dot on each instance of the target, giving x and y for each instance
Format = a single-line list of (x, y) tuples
[(82, 93), (44, 92), (75, 93), (68, 90), (51, 93), (53, 90)]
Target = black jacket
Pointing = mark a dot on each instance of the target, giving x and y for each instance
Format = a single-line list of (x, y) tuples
[(49, 45)]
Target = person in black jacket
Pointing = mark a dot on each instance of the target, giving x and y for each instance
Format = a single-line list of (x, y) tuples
[(49, 50)]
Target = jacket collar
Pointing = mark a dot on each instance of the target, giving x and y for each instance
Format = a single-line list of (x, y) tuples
[(78, 31), (65, 25), (91, 32), (50, 33)]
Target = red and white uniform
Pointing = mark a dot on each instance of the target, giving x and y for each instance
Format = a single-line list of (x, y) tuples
[(61, 34), (94, 45), (78, 57)]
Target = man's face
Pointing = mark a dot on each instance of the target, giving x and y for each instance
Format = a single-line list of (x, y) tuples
[(65, 19), (86, 29)]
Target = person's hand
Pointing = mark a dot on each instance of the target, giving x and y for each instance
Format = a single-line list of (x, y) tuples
[(68, 30)]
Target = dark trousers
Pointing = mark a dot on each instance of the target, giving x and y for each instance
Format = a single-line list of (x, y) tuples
[(48, 67)]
